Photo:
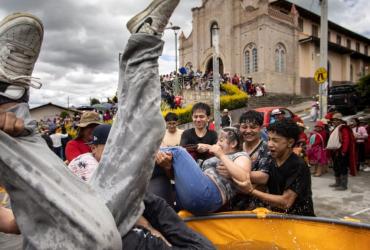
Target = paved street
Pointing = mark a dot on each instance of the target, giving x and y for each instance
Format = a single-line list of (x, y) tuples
[(354, 203)]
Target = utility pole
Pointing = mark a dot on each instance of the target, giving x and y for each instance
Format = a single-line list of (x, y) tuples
[(323, 88), (176, 80), (216, 79), (68, 102), (175, 51)]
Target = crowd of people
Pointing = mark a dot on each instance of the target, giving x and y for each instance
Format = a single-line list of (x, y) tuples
[(200, 81), (134, 175), (339, 144), (58, 131)]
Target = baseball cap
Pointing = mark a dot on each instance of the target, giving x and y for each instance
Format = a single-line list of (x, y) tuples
[(276, 112), (100, 134)]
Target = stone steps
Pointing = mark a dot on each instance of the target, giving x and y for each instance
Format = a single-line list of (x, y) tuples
[(193, 96), (273, 99)]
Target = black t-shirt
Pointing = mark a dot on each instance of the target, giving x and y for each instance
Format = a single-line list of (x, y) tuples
[(189, 137), (294, 175), (225, 121)]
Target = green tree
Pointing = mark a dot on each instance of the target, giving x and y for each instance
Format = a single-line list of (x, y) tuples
[(363, 86), (64, 114), (94, 101)]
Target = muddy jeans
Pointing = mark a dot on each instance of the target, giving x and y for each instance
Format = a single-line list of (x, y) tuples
[(128, 160), (55, 209)]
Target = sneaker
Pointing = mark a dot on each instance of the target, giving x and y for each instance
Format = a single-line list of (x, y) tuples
[(21, 35), (367, 169), (341, 188), (153, 20)]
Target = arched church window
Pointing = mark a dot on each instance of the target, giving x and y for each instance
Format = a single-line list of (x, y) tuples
[(247, 62), (280, 58), (255, 60), (214, 33), (251, 59)]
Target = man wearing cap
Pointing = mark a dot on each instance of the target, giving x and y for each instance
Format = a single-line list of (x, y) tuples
[(225, 119), (342, 145), (277, 115), (78, 146), (85, 164)]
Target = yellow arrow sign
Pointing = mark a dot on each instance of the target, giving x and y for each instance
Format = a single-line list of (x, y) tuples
[(321, 75)]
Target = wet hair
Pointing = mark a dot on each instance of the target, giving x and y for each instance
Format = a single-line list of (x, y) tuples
[(251, 116), (286, 128), (3, 99), (201, 106), (233, 134), (171, 117)]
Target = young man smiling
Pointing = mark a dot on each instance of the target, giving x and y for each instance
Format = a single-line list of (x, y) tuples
[(251, 126), (199, 135), (289, 183)]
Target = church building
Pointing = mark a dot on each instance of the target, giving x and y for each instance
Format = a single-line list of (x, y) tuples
[(275, 42)]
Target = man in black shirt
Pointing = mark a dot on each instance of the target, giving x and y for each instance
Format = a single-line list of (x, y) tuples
[(225, 118), (289, 182), (194, 138)]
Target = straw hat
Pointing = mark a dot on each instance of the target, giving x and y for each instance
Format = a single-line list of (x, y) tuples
[(88, 118), (325, 121), (337, 116)]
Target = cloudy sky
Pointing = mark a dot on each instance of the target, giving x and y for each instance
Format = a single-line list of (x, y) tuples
[(83, 38)]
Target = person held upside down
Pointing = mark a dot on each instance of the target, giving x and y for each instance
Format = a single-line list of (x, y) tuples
[(204, 190)]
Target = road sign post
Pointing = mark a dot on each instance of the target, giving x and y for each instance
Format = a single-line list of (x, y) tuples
[(321, 75)]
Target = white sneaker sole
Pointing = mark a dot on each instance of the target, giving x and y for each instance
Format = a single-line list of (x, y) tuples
[(135, 22), (36, 21)]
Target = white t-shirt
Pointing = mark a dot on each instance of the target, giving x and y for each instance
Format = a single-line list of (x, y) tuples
[(57, 139), (84, 166), (172, 139)]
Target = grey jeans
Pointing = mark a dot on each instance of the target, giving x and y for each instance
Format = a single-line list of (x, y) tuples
[(56, 210), (128, 159)]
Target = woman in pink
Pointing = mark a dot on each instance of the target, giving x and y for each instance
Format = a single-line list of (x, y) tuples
[(361, 137), (316, 152)]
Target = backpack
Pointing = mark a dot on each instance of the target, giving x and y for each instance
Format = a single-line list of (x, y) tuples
[(334, 141)]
